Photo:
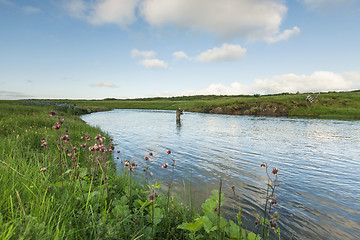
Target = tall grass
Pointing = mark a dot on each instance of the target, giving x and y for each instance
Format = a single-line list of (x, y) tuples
[(58, 181)]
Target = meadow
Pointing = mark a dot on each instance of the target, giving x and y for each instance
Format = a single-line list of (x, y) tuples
[(331, 105), (59, 181)]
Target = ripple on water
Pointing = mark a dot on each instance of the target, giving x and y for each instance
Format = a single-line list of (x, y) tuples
[(318, 161)]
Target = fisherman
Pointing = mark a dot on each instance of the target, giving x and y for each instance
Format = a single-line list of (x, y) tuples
[(179, 112)]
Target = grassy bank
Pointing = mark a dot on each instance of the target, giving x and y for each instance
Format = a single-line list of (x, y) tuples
[(333, 105), (58, 181)]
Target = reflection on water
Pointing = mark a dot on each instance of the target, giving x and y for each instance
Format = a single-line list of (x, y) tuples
[(318, 161)]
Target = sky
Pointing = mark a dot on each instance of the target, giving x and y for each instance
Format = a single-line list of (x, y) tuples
[(96, 49)]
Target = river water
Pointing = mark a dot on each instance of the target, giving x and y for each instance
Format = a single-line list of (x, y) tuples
[(318, 161)]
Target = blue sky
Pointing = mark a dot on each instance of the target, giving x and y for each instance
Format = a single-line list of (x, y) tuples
[(143, 48)]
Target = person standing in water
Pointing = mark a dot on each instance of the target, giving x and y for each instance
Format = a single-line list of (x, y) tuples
[(179, 112)]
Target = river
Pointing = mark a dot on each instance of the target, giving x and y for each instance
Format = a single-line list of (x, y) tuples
[(318, 161)]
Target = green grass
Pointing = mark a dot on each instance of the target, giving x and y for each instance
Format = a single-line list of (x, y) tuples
[(85, 197), (332, 105)]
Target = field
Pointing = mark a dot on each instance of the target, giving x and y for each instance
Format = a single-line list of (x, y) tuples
[(333, 105)]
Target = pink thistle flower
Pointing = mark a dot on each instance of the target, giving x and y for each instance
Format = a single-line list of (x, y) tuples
[(42, 139), (75, 148), (44, 144), (43, 169), (52, 114), (56, 127), (111, 149), (165, 165), (168, 152), (263, 165)]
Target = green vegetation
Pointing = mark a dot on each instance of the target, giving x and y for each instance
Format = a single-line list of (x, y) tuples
[(332, 105), (58, 181)]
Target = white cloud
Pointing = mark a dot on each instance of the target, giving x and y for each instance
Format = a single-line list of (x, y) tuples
[(227, 18), (180, 55), (285, 35), (30, 10), (320, 81), (104, 84), (145, 54), (227, 52), (99, 12), (153, 63)]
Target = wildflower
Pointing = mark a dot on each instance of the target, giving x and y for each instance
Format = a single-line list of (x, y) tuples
[(44, 144), (111, 139), (56, 127), (52, 114), (117, 157), (31, 186), (215, 209), (273, 223), (91, 148), (111, 148), (98, 136), (59, 123), (69, 154), (83, 145), (103, 149), (82, 137), (165, 165), (151, 154), (146, 158), (133, 165), (118, 151), (96, 147), (150, 174), (75, 148), (273, 201), (156, 195), (275, 171), (43, 169), (151, 198), (168, 152), (127, 163), (105, 179), (263, 165), (42, 139)]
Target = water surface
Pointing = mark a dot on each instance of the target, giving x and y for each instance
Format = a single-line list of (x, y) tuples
[(318, 161)]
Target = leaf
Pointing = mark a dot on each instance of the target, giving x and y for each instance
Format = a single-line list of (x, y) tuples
[(194, 226), (209, 206), (158, 215), (208, 225)]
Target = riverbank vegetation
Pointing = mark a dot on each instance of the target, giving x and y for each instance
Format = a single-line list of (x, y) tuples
[(59, 181), (332, 105)]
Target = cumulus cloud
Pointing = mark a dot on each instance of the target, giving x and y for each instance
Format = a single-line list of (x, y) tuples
[(104, 84), (30, 10), (320, 81), (99, 12), (285, 35), (180, 55), (227, 52), (145, 54), (153, 63), (228, 18)]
